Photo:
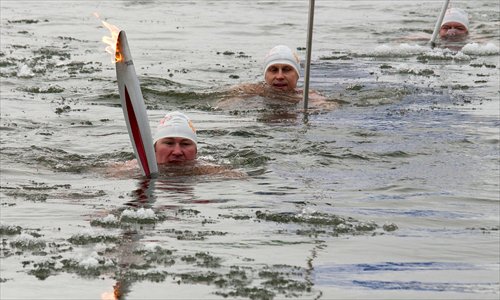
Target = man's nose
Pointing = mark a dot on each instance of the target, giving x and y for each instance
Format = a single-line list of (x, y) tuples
[(177, 149), (280, 74)]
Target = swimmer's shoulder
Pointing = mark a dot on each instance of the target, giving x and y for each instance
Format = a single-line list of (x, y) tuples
[(122, 169), (208, 168), (247, 89)]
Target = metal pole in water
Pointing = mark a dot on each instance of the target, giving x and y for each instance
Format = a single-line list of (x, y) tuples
[(438, 23), (310, 22)]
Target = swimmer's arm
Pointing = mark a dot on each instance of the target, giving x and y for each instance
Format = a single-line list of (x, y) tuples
[(122, 169), (419, 36), (236, 94)]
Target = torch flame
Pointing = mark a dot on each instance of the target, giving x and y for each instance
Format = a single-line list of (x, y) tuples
[(108, 296), (115, 294), (111, 40)]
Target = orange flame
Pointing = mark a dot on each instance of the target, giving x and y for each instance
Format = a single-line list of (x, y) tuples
[(115, 294), (111, 40), (108, 296)]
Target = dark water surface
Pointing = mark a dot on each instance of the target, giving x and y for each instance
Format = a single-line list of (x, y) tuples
[(393, 195)]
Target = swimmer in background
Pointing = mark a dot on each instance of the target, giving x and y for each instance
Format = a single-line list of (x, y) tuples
[(176, 150), (281, 75), (455, 25), (454, 29)]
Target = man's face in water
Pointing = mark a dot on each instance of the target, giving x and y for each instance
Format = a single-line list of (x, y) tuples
[(281, 77), (175, 150), (453, 31)]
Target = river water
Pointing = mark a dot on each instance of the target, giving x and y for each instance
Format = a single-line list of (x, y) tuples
[(393, 195)]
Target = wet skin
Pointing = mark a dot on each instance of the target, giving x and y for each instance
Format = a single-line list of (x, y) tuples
[(453, 31), (281, 77), (175, 150)]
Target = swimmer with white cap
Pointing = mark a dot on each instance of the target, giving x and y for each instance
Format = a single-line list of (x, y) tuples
[(282, 72), (176, 148), (282, 68), (281, 75), (455, 25), (175, 140)]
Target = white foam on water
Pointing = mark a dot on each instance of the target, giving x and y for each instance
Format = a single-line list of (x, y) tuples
[(90, 232), (100, 247), (481, 49), (141, 213), (25, 238), (93, 260), (109, 219), (404, 68), (438, 53), (307, 212), (151, 246), (87, 232), (402, 50), (25, 72), (460, 56), (89, 262), (407, 50)]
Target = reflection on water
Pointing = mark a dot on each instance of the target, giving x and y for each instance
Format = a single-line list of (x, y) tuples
[(390, 193), (144, 196)]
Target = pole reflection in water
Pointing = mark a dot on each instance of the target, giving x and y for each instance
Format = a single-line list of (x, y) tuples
[(144, 197)]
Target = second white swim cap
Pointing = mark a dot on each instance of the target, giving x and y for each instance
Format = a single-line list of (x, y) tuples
[(456, 15), (282, 55)]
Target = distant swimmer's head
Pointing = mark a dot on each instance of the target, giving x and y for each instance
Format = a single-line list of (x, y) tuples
[(175, 140), (282, 68), (455, 26)]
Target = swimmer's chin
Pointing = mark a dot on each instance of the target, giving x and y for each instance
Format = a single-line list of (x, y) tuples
[(177, 163), (281, 88), (454, 38)]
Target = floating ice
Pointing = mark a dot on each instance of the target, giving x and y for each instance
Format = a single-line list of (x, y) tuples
[(109, 219), (25, 238), (481, 50), (89, 262), (437, 53), (27, 241), (307, 212), (94, 261), (407, 50), (460, 56), (100, 247), (25, 72), (141, 213), (151, 246), (90, 232), (402, 50), (89, 236), (405, 69), (9, 229)]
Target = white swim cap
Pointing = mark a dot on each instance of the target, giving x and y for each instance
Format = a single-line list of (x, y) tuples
[(282, 55), (456, 15), (176, 124)]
